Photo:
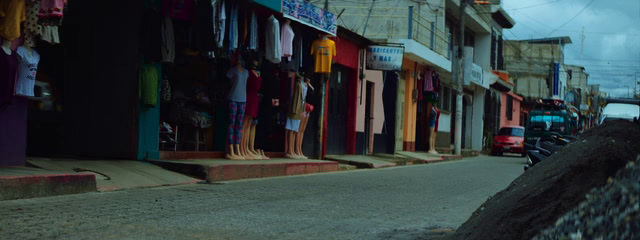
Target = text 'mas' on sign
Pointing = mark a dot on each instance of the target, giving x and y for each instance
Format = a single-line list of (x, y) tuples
[(386, 58)]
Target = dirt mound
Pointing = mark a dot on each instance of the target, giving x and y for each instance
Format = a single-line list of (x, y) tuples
[(553, 187), (610, 212)]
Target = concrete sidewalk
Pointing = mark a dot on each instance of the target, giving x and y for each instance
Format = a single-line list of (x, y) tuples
[(426, 157), (362, 161), (215, 170), (28, 182), (116, 174)]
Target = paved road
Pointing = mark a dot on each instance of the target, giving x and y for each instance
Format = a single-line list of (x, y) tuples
[(388, 203)]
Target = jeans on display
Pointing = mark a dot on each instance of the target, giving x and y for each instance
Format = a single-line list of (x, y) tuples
[(236, 118)]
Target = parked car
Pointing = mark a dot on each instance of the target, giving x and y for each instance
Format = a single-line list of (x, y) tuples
[(615, 111), (510, 139)]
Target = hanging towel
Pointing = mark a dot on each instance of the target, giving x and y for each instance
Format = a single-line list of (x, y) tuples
[(149, 81)]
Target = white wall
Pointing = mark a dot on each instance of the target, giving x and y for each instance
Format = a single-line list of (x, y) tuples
[(374, 77), (477, 122)]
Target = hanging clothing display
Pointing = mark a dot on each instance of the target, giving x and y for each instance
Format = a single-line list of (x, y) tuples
[(179, 9), (298, 51), (149, 82), (8, 73), (273, 48), (168, 40), (32, 28), (222, 21), (254, 83), (27, 70), (435, 78), (253, 35), (233, 28), (419, 84), (297, 106), (286, 40), (12, 13), (427, 78), (324, 51), (51, 14)]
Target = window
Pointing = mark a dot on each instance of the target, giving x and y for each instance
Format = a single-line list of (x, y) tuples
[(445, 99), (494, 42), (500, 53), (516, 132), (509, 107)]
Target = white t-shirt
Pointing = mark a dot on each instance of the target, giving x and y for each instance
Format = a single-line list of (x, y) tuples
[(273, 48), (27, 70)]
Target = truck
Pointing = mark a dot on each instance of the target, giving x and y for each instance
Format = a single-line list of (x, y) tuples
[(549, 117)]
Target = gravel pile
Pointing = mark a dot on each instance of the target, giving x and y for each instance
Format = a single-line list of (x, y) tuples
[(552, 188), (610, 212)]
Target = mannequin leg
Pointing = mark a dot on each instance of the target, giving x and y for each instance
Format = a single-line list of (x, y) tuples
[(432, 140), (239, 129), (300, 136), (264, 156), (252, 139), (233, 112), (290, 144), (286, 141), (246, 129)]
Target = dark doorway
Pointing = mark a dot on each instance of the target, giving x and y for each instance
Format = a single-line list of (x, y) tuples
[(337, 112), (368, 119), (385, 142)]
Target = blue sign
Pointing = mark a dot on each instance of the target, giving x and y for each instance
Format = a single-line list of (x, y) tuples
[(309, 14), (275, 5), (556, 78)]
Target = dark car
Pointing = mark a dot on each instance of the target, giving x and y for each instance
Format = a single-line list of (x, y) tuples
[(510, 139)]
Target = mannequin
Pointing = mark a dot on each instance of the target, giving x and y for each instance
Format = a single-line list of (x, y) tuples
[(294, 118), (303, 125), (433, 118), (6, 47), (251, 118), (237, 106)]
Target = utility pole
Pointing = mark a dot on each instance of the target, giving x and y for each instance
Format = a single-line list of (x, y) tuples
[(323, 93), (459, 79)]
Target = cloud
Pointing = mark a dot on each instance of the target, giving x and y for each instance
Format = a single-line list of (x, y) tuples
[(611, 49)]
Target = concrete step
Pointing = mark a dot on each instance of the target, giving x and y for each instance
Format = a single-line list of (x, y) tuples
[(361, 161), (216, 170), (27, 182), (116, 174)]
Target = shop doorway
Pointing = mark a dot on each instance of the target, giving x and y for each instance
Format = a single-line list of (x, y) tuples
[(337, 112), (385, 142), (368, 119)]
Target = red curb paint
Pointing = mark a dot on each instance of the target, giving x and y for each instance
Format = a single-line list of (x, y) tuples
[(245, 171)]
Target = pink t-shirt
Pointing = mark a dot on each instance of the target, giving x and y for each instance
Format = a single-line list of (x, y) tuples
[(286, 40), (178, 9)]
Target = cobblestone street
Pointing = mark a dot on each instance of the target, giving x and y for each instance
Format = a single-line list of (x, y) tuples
[(363, 204)]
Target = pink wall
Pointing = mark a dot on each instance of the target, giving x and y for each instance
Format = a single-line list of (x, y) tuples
[(515, 119)]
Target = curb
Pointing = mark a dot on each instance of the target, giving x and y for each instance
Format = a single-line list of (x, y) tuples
[(219, 173), (45, 185)]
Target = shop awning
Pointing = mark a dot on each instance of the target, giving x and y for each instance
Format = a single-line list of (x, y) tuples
[(500, 81), (275, 5), (501, 17), (311, 15), (501, 85)]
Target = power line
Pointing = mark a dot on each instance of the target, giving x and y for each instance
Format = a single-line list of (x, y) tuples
[(537, 5), (571, 19)]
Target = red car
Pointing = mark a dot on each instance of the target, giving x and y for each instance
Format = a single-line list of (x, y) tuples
[(510, 139)]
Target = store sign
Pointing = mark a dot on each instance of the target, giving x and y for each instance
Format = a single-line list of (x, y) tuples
[(473, 73), (385, 58), (310, 15)]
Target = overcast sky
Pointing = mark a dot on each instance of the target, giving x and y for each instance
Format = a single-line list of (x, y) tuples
[(611, 40)]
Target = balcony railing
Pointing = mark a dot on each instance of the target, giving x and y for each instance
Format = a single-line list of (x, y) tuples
[(426, 33)]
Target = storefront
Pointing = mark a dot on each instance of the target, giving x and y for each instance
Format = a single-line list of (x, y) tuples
[(201, 107), (114, 87)]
